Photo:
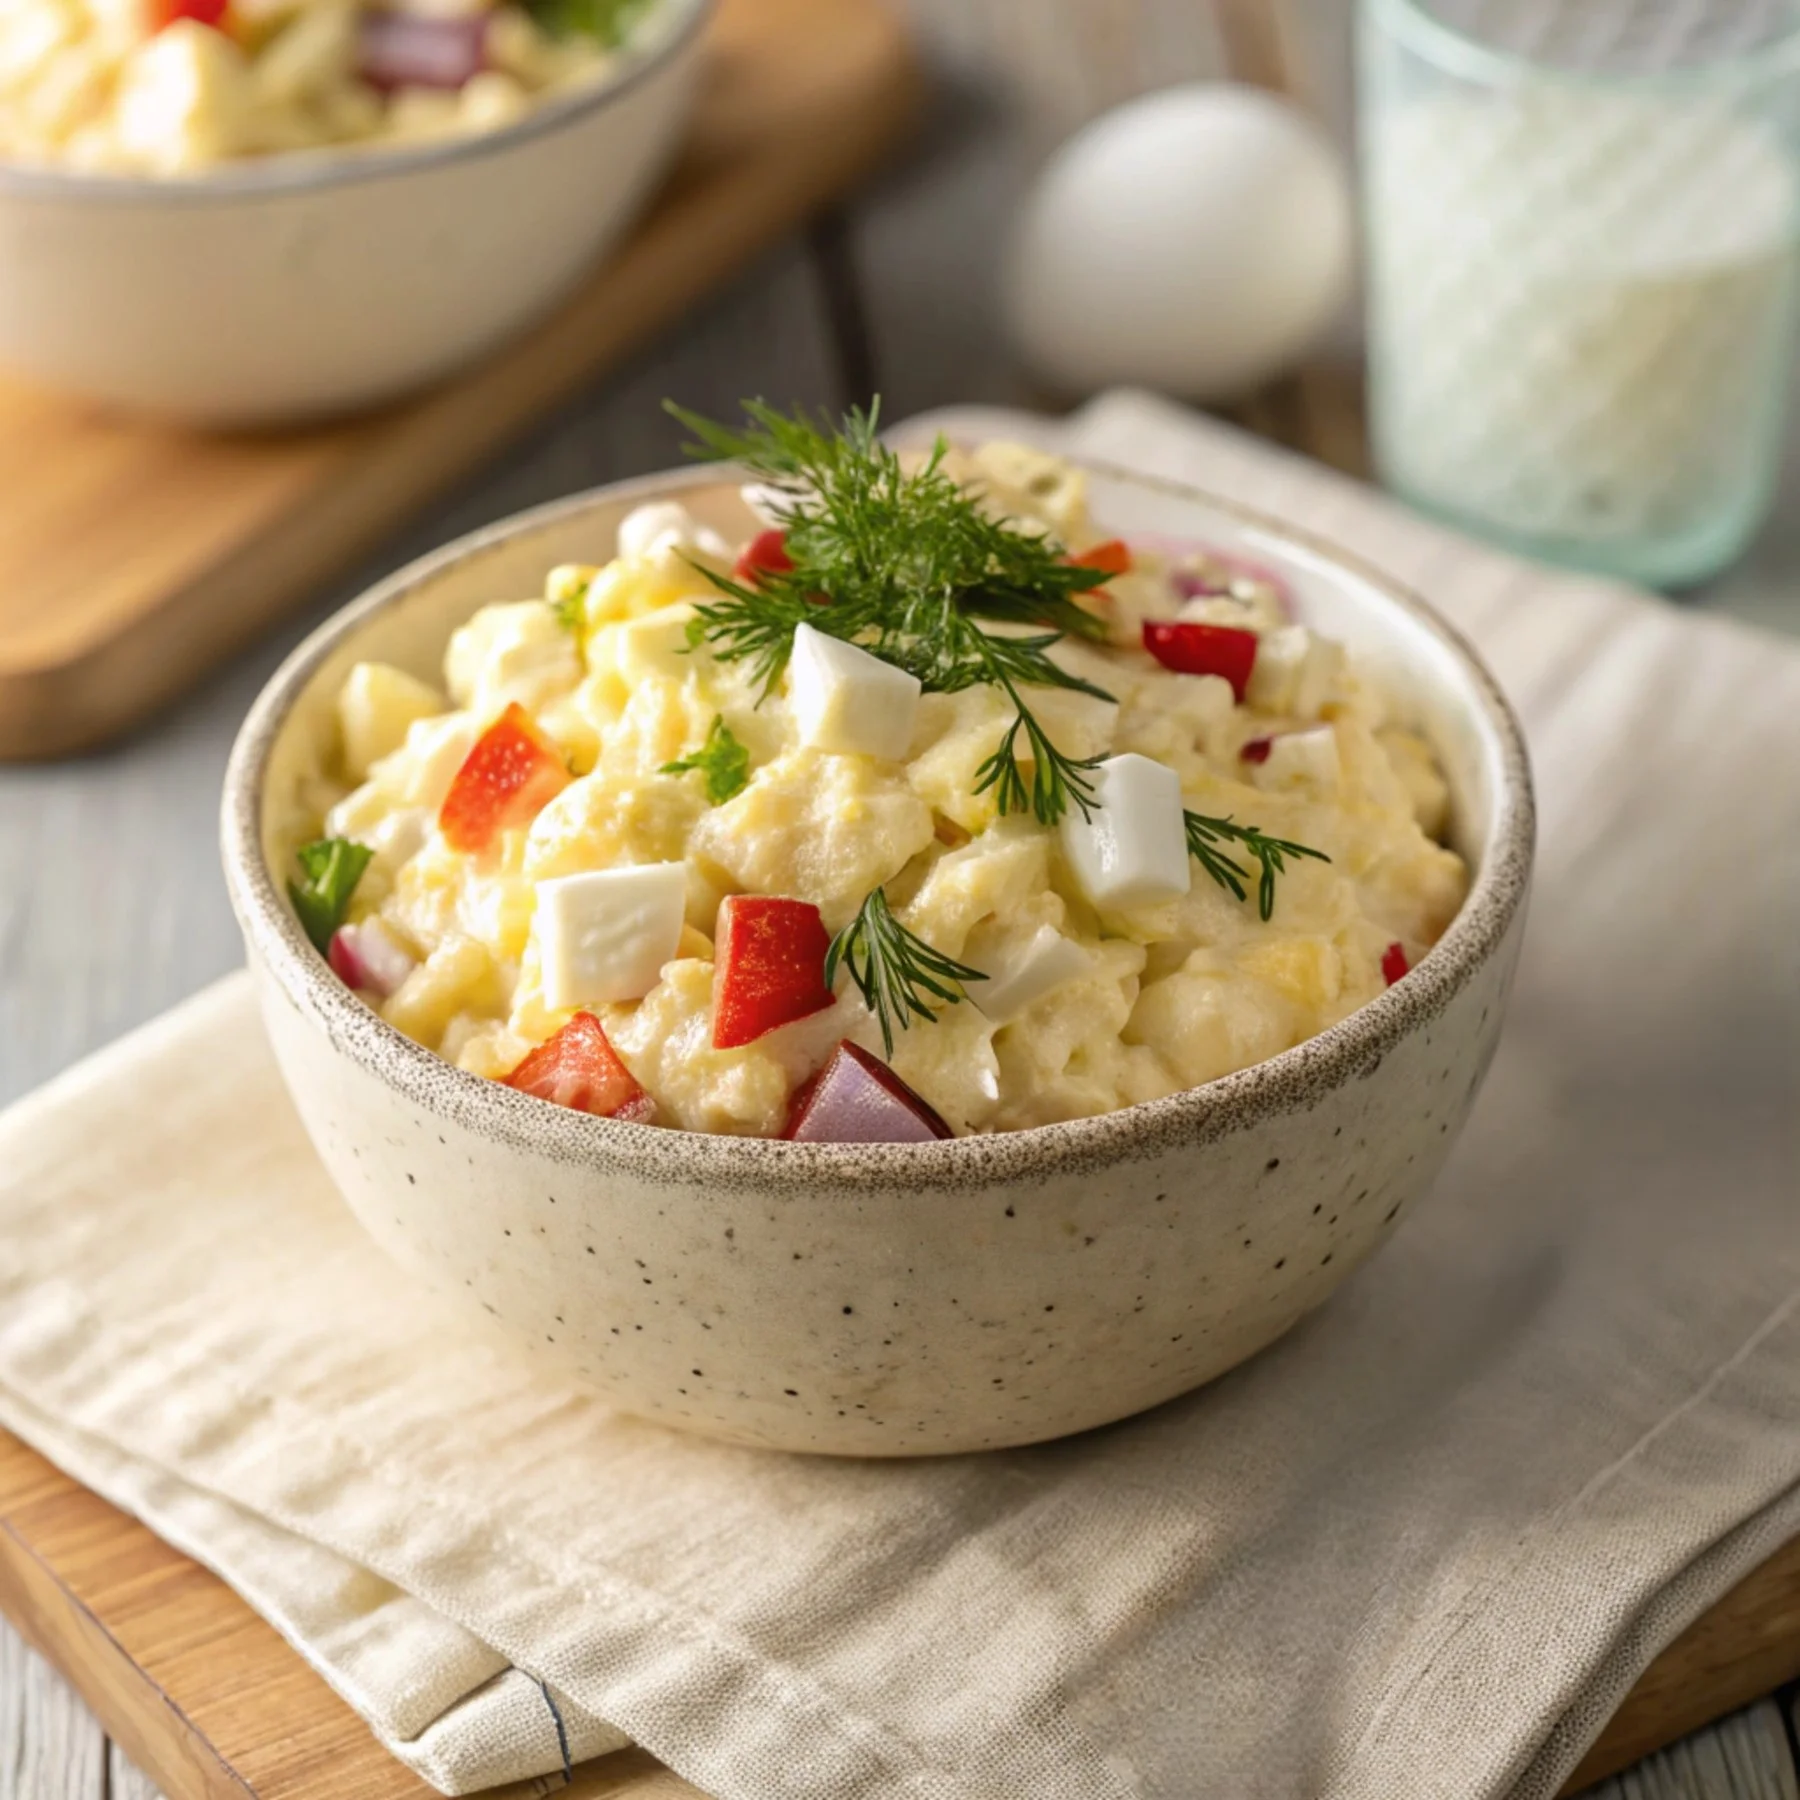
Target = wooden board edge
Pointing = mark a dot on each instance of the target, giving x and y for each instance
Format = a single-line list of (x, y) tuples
[(56, 1624), (1741, 1648), (47, 709), (60, 1622)]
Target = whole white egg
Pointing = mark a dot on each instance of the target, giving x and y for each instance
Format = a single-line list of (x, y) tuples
[(1198, 240)]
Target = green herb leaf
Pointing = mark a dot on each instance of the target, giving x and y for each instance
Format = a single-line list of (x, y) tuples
[(894, 969), (571, 610), (609, 21), (906, 565), (722, 760), (1205, 835), (331, 867)]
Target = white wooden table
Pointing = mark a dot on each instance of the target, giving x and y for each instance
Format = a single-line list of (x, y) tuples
[(111, 904)]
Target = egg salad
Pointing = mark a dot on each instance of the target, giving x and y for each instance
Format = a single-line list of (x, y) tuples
[(174, 87), (926, 810)]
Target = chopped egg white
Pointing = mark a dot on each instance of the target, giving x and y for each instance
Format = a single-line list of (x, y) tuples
[(850, 702), (664, 529), (1296, 671), (606, 935), (1043, 964), (1302, 759), (1131, 849)]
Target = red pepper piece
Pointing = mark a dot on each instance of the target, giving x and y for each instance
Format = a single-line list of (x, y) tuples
[(771, 967), (1111, 558), (579, 1069), (857, 1099), (1195, 649), (1394, 963), (164, 13), (510, 776), (765, 554), (1257, 750)]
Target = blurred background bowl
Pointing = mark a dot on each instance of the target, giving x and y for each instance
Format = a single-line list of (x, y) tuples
[(322, 282)]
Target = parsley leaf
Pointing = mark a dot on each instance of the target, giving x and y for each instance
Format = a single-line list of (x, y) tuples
[(332, 867), (723, 761), (570, 608), (609, 21), (893, 968)]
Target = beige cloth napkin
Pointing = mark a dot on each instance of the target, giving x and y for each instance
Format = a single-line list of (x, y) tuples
[(1420, 1548)]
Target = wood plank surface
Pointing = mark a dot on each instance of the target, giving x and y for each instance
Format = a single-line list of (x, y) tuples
[(1746, 1646), (132, 558), (1744, 1757)]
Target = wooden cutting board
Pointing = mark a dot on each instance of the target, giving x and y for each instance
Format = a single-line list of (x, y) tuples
[(206, 1698), (135, 557)]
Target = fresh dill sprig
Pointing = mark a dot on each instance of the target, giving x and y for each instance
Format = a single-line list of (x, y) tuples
[(1204, 836), (894, 969), (905, 564), (722, 760)]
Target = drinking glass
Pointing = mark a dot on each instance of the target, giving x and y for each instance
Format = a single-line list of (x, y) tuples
[(1582, 269)]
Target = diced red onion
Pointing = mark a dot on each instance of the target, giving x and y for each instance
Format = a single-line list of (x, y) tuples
[(366, 958), (404, 50), (1257, 750), (1216, 582), (857, 1099), (1394, 964), (346, 962)]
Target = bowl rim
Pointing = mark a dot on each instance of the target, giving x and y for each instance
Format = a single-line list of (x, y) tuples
[(336, 165), (1293, 1080)]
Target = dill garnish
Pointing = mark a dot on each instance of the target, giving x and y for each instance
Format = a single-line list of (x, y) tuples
[(905, 564), (1205, 834), (893, 968)]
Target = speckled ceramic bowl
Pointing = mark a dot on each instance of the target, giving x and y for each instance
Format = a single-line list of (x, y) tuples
[(894, 1299)]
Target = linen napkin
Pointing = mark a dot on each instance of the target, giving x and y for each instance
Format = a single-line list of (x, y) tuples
[(1421, 1547)]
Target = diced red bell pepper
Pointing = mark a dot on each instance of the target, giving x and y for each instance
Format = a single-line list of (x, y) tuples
[(579, 1069), (164, 13), (1257, 750), (510, 776), (1112, 557), (1394, 963), (857, 1099), (770, 958), (1195, 649), (765, 554)]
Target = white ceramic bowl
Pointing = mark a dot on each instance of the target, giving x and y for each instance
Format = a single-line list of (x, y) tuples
[(893, 1299), (314, 284)]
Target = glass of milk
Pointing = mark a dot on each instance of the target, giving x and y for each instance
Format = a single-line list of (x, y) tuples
[(1583, 218)]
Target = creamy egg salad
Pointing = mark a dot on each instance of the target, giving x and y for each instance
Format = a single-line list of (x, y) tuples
[(173, 87), (925, 811)]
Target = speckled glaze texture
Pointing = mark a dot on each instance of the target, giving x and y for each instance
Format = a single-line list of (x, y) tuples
[(895, 1300), (308, 285)]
